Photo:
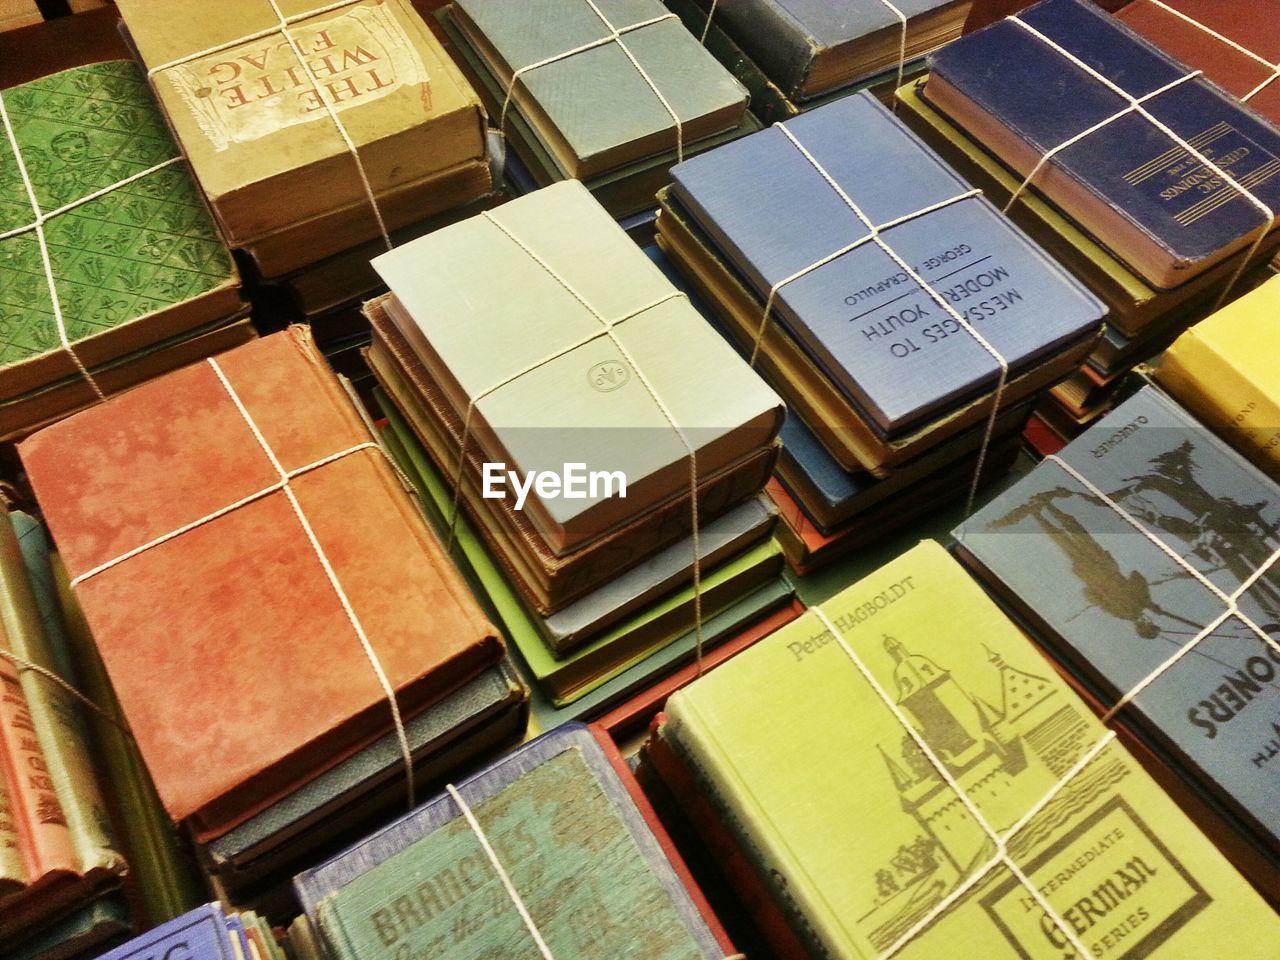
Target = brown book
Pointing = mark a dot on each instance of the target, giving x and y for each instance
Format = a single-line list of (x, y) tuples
[(240, 672), (263, 143), (1252, 24), (547, 581)]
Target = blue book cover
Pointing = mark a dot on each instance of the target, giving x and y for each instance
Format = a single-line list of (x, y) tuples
[(1116, 607), (205, 933), (594, 878), (885, 342), (1007, 76)]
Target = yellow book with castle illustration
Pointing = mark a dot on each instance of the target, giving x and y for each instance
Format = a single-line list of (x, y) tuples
[(1226, 370), (871, 847)]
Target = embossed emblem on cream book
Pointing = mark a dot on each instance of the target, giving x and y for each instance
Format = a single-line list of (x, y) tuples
[(357, 56)]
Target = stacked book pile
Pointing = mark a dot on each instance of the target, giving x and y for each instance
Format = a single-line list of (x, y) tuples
[(1144, 558), (60, 857), (552, 851), (1041, 110), (900, 773), (111, 270), (611, 94), (850, 299), (317, 137), (273, 545), (794, 56), (604, 369)]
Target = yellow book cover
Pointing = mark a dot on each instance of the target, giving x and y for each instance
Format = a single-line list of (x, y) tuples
[(932, 788), (1226, 370)]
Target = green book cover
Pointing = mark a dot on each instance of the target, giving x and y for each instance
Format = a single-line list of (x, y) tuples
[(598, 108), (145, 249), (861, 839)]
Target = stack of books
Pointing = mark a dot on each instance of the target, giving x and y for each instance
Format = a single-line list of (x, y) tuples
[(272, 544), (1226, 370), (111, 270), (60, 858), (551, 851), (1143, 221), (563, 439), (776, 233), (1143, 559), (208, 932), (923, 784), (794, 56), (611, 95), (273, 125)]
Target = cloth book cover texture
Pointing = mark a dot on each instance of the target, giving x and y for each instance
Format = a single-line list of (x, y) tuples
[(257, 119), (1251, 24), (880, 337), (1115, 605), (1143, 177), (592, 875), (1226, 370), (538, 404), (814, 755), (141, 263), (205, 933), (596, 102), (246, 590)]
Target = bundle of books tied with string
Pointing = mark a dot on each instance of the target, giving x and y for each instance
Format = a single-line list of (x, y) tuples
[(1154, 185), (606, 366), (905, 325)]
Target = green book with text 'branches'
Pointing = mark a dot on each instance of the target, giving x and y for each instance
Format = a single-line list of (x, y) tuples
[(871, 846), (138, 263)]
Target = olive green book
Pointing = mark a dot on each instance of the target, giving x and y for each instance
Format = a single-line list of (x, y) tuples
[(141, 263), (815, 761)]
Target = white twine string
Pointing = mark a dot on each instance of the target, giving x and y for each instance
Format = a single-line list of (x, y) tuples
[(22, 663), (1136, 106), (37, 225), (607, 331), (999, 839), (1230, 601), (282, 28), (902, 49), (706, 27), (1273, 67), (874, 235), (512, 894), (284, 485), (613, 36)]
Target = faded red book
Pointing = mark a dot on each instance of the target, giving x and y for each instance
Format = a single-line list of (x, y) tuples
[(239, 670), (1253, 25)]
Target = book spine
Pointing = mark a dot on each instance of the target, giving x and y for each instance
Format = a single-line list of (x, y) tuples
[(58, 726), (46, 842), (1238, 410), (162, 866), (12, 872), (773, 864)]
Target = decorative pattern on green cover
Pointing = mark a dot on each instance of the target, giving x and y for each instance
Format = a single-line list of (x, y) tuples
[(140, 247)]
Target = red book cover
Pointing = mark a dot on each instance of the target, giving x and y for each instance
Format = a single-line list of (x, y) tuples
[(1251, 24), (240, 671)]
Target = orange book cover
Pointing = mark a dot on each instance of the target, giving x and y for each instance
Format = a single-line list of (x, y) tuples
[(238, 668)]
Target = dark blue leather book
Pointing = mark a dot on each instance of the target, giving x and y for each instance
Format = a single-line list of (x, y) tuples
[(884, 341), (1151, 201), (1115, 606)]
